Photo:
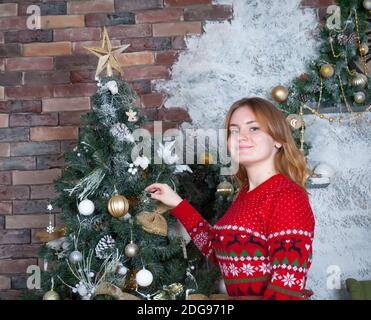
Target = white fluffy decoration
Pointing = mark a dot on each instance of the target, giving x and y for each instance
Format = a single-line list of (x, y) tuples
[(342, 241), (266, 44)]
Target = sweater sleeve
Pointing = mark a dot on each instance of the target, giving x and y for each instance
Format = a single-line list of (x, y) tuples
[(290, 235), (198, 228)]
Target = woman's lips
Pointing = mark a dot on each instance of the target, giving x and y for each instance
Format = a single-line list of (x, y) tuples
[(244, 147)]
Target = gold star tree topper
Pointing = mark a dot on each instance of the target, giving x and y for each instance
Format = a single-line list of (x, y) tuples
[(107, 55)]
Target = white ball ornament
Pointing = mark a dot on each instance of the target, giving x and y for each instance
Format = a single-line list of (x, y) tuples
[(86, 207), (144, 277), (122, 270)]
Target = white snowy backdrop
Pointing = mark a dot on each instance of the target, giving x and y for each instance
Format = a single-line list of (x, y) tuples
[(266, 44)]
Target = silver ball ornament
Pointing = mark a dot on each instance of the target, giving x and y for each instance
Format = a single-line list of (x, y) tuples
[(367, 4), (51, 295), (131, 250), (359, 97), (144, 277), (75, 256)]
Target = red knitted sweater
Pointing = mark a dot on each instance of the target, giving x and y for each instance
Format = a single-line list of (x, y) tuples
[(263, 243)]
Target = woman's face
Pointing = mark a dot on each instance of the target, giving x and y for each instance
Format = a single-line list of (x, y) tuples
[(248, 144)]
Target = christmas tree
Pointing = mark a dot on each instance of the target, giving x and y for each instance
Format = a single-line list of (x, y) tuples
[(116, 242)]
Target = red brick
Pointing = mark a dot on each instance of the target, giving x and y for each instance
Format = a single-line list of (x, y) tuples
[(76, 62), (53, 133), (2, 93), (9, 294), (4, 120), (1, 37), (152, 100), (317, 3), (174, 114), (78, 47), (30, 148), (25, 92), (43, 191), (137, 31), (109, 19), (14, 192), (4, 149), (179, 43), (14, 236), (24, 64), (148, 72), (136, 58), (142, 86), (30, 206), (4, 281), (166, 57), (131, 5), (50, 161), (26, 221), (81, 7), (18, 163), (16, 266), (75, 90), (183, 3), (10, 50), (2, 65), (20, 106), (14, 134), (31, 120), (55, 22), (8, 9), (47, 49), (66, 104), (176, 28), (5, 178), (35, 176), (68, 145), (46, 8), (77, 34), (5, 208), (163, 15), (19, 251), (149, 114), (82, 76), (140, 44), (27, 36), (217, 12), (13, 23), (70, 118), (11, 78), (46, 77)]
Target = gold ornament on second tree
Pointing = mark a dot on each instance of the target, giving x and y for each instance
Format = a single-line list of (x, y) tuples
[(225, 189), (327, 71), (51, 295), (295, 121), (359, 97), (363, 49), (280, 94), (359, 81), (118, 206)]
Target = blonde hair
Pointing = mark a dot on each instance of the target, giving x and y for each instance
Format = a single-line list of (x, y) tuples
[(289, 160)]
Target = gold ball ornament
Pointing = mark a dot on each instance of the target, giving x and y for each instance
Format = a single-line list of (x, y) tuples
[(363, 49), (327, 71), (359, 81), (206, 159), (224, 189), (51, 295), (118, 206), (280, 94), (359, 97), (295, 121), (131, 249)]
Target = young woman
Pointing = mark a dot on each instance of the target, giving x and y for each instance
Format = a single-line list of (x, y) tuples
[(263, 243)]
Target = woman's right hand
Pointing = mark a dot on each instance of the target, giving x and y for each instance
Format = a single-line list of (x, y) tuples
[(163, 192)]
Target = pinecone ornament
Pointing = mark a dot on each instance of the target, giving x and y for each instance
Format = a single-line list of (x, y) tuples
[(345, 39), (105, 247), (303, 97)]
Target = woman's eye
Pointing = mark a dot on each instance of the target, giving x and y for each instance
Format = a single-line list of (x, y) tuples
[(233, 131), (254, 129)]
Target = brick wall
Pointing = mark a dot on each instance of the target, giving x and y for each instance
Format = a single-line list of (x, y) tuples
[(46, 79)]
